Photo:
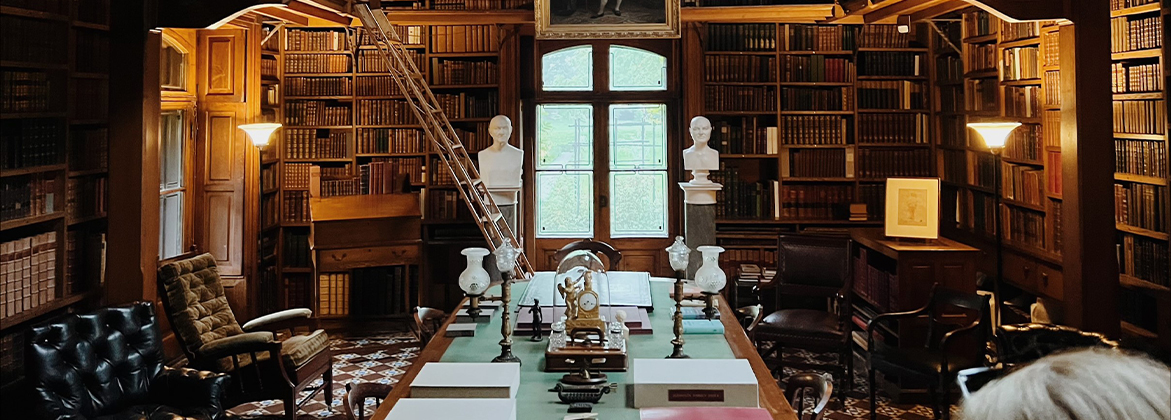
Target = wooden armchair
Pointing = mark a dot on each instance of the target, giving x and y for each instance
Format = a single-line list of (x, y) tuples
[(267, 358), (358, 393), (427, 323), (611, 254)]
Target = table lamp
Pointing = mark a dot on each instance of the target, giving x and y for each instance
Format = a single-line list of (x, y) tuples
[(678, 255), (506, 262), (710, 278), (474, 280)]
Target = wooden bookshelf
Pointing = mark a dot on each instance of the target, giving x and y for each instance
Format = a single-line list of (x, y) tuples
[(54, 139), (1141, 197), (369, 132)]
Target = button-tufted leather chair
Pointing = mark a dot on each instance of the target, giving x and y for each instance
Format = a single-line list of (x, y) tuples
[(206, 328), (109, 365)]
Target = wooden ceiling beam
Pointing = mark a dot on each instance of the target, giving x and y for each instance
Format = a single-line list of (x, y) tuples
[(892, 12), (312, 10), (1021, 10), (939, 9), (805, 13), (285, 15), (456, 17)]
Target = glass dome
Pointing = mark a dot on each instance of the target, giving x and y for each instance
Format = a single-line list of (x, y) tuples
[(576, 264)]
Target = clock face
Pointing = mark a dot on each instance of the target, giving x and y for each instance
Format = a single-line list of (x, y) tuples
[(587, 301)]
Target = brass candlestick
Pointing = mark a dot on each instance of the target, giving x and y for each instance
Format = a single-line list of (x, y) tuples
[(709, 308), (474, 306), (506, 262), (677, 343)]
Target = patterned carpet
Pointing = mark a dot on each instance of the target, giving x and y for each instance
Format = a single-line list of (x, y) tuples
[(385, 359)]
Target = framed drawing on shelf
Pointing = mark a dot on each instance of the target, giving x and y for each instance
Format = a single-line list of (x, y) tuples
[(912, 208), (593, 19)]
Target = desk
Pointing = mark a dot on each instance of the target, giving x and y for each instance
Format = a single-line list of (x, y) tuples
[(535, 402)]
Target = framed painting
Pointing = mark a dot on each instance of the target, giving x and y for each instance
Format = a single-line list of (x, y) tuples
[(912, 208), (610, 19)]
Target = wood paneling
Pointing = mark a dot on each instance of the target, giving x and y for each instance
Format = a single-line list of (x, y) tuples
[(222, 65), (220, 202), (222, 127)]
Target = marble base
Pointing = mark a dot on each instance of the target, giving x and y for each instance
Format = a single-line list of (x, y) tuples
[(699, 228), (699, 193)]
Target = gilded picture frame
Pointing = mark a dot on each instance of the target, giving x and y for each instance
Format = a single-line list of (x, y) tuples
[(597, 19), (912, 208)]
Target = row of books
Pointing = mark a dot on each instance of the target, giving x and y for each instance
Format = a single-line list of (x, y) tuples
[(269, 66), (977, 212), (752, 273), (32, 40), (465, 39), (86, 197), (744, 199), (1052, 86), (1053, 168), (317, 63), (270, 38), (1022, 183), (390, 140), (1022, 101), (295, 207), (739, 68), (1020, 63), (1140, 117), (296, 249), (1055, 213), (811, 130), (1052, 118), (414, 168), (1024, 143), (268, 178), (29, 143), (270, 211), (814, 68), (948, 69), (297, 175), (1136, 77), (813, 202), (741, 37), (951, 98), (1051, 48), (983, 172), (469, 105), (1141, 205), (1131, 34), (333, 294), (12, 348), (1022, 226), (874, 196), (91, 51), (340, 187), (444, 205), (377, 86), (1141, 157), (953, 166), (1144, 258), (316, 40), (408, 34), (383, 177), (979, 23), (821, 38), (441, 176), (892, 94), (740, 98), (1010, 31), (480, 4), (382, 290), (874, 163), (461, 72), (749, 136), (817, 99), (873, 284), (818, 163), (369, 61), (1123, 4), (890, 63), (270, 95), (27, 91), (28, 273), (893, 128), (385, 112), (981, 57), (320, 113), (84, 97), (476, 139), (953, 130), (28, 196), (981, 95), (318, 86), (884, 36), (1138, 309), (308, 143)]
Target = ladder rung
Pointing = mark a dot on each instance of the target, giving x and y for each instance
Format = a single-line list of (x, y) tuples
[(476, 181), (492, 218)]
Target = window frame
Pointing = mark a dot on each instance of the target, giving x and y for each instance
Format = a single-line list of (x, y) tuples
[(600, 98), (187, 111)]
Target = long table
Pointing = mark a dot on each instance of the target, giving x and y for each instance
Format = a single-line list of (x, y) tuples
[(535, 402)]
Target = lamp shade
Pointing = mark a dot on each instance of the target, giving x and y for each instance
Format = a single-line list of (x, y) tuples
[(995, 134), (259, 132), (506, 257), (678, 254)]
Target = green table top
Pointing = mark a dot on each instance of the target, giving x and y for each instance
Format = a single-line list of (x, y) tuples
[(534, 401)]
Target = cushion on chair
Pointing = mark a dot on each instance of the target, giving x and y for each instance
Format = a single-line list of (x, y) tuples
[(796, 323), (921, 360), (156, 412), (299, 349), (195, 296)]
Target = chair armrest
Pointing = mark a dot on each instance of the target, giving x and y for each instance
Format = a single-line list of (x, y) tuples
[(239, 344), (195, 391), (892, 315), (280, 320), (944, 343)]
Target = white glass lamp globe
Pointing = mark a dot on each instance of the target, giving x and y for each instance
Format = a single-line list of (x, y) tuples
[(474, 280), (710, 278), (678, 254)]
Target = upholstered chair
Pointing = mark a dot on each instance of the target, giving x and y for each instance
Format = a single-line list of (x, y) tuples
[(266, 357), (109, 365)]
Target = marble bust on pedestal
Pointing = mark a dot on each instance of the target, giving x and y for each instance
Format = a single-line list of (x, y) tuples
[(500, 163), (699, 158)]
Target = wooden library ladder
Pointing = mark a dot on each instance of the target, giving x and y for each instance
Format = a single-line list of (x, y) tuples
[(438, 130)]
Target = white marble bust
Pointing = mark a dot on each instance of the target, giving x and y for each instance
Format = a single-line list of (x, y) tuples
[(699, 158), (500, 163)]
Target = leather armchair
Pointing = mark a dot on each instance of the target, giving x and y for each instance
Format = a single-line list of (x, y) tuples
[(109, 365)]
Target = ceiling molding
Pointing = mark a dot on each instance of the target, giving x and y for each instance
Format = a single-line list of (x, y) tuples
[(891, 13), (283, 14), (939, 9), (799, 13), (202, 14)]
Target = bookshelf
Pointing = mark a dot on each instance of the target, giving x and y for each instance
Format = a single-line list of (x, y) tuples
[(828, 113), (54, 74), (343, 113), (1142, 205)]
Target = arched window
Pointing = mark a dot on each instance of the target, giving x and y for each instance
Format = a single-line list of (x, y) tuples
[(173, 67)]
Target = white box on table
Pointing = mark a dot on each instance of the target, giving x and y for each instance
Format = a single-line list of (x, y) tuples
[(694, 383)]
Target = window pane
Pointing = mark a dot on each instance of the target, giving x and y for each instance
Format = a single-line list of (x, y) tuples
[(172, 67), (171, 151), (565, 137), (568, 69), (638, 204), (565, 204), (170, 225), (635, 69), (638, 136)]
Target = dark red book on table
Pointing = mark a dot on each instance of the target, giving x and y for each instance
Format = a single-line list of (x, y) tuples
[(704, 413)]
